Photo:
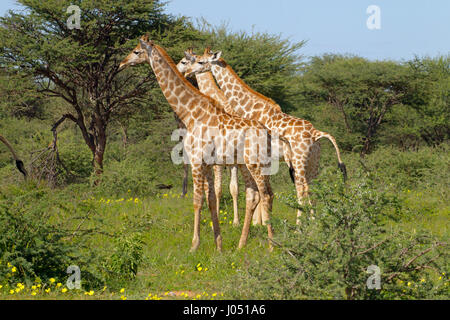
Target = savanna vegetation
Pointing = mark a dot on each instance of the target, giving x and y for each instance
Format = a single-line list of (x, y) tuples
[(103, 194)]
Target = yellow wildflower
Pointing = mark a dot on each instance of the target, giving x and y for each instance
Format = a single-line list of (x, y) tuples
[(59, 284), (11, 291), (123, 297), (64, 290), (33, 293), (13, 269), (47, 290), (122, 290), (52, 280)]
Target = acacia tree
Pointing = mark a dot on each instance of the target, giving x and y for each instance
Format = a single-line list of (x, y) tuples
[(80, 66), (362, 91), (431, 98)]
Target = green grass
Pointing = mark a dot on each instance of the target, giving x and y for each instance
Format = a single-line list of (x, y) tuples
[(168, 266)]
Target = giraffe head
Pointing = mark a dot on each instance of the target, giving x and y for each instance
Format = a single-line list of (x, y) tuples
[(187, 61), (137, 56), (203, 63)]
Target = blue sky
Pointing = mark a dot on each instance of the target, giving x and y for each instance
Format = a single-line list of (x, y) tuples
[(408, 27)]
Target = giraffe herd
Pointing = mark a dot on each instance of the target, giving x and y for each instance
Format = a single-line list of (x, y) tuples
[(230, 125)]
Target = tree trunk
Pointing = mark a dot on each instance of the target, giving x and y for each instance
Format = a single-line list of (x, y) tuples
[(98, 155)]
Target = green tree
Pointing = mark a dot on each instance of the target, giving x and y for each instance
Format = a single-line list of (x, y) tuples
[(362, 91), (431, 98), (19, 96), (80, 66)]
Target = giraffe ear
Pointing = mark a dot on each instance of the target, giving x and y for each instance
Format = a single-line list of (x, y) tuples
[(215, 56), (189, 55)]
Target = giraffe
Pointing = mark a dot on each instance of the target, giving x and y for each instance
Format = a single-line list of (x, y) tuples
[(214, 92), (210, 130), (303, 138), (19, 163)]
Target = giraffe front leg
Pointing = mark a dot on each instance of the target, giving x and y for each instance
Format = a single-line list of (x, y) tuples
[(212, 203), (266, 206), (198, 184), (251, 201), (234, 190)]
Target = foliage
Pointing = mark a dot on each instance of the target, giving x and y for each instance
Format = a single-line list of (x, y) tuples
[(28, 239), (362, 91), (126, 257), (80, 66), (328, 255), (20, 96)]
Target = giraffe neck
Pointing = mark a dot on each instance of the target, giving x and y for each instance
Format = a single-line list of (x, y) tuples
[(246, 102), (207, 85), (186, 101)]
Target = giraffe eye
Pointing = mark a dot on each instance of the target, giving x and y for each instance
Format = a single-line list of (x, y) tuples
[(201, 62), (183, 62), (137, 52)]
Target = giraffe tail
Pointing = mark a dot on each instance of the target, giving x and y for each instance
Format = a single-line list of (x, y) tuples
[(318, 135), (21, 167), (287, 158)]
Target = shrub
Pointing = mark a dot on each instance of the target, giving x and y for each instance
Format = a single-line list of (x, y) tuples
[(28, 240), (126, 257), (328, 257)]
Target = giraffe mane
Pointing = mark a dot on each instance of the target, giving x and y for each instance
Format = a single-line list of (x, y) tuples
[(241, 82)]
